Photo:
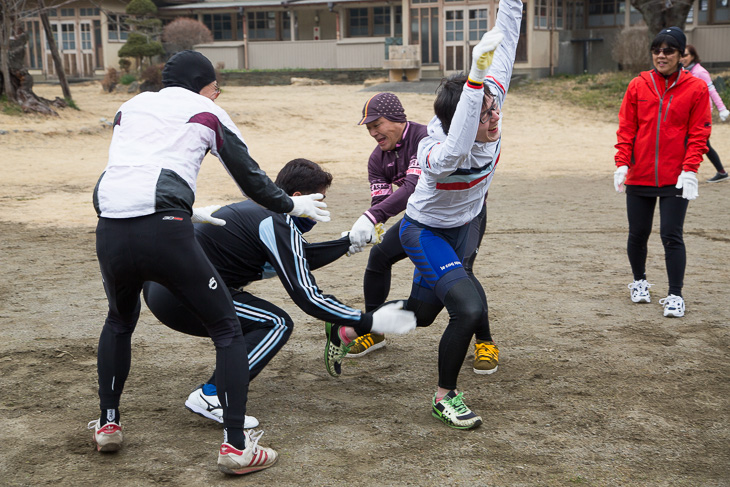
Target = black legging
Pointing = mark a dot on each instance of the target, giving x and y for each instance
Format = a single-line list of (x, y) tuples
[(161, 247), (714, 158), (376, 283), (672, 210)]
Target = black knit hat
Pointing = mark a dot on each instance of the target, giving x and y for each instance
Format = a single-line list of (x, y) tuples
[(188, 69), (675, 33)]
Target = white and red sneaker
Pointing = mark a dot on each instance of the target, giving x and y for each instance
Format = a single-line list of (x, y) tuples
[(233, 461), (107, 438)]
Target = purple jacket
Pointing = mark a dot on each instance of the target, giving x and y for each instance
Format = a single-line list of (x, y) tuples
[(395, 167)]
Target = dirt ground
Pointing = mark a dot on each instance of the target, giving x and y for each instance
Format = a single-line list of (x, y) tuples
[(591, 389)]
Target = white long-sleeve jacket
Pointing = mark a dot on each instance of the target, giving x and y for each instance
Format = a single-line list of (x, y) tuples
[(158, 145), (456, 171)]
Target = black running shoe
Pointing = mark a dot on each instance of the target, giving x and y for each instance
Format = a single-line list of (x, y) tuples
[(718, 177)]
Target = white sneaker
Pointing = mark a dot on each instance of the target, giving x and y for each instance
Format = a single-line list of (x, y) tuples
[(673, 306), (209, 407), (107, 438), (640, 291), (238, 462)]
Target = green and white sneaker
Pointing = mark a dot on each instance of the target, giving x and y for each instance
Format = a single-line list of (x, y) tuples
[(452, 411), (335, 350)]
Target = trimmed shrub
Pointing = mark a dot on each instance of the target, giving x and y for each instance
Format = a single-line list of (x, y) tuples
[(184, 33)]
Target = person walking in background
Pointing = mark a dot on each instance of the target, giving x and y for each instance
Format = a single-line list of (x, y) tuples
[(664, 124), (691, 62), (144, 200)]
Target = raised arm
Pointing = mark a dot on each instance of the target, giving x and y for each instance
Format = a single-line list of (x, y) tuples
[(509, 19)]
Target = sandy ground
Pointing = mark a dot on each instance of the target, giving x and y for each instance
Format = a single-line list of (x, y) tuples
[(591, 389)]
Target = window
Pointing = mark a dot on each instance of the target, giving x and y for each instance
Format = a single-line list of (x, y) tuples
[(381, 21), (559, 21), (68, 12), (118, 29), (374, 21), (603, 13), (358, 22), (34, 44), (478, 23), (722, 11), (286, 25), (68, 37), (541, 14), (425, 31), (454, 29), (85, 33), (261, 25), (89, 12), (54, 31), (704, 7), (220, 25), (576, 14)]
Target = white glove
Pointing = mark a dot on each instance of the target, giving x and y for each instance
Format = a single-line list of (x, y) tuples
[(203, 215), (724, 114), (392, 318), (310, 206), (483, 54), (352, 250), (619, 176), (362, 232), (687, 182)]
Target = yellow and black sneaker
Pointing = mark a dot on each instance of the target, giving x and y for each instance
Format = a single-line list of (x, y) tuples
[(486, 357), (365, 344)]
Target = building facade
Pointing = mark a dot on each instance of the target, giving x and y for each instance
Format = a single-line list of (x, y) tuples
[(558, 36)]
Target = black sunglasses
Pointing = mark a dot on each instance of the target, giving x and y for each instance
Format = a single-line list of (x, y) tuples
[(668, 51)]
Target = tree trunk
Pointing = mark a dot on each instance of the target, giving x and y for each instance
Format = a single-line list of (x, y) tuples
[(6, 29), (22, 82), (54, 50), (660, 14)]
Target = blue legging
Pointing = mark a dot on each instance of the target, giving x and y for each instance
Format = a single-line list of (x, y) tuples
[(441, 280)]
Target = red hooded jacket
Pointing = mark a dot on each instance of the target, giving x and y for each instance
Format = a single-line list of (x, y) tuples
[(664, 124)]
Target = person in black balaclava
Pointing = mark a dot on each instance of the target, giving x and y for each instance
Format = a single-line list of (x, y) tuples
[(144, 200)]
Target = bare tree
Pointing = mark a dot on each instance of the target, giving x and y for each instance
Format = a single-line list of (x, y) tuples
[(54, 51), (17, 83), (660, 14), (184, 33)]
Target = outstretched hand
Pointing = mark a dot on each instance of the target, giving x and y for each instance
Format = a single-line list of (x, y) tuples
[(310, 206), (483, 54), (392, 318)]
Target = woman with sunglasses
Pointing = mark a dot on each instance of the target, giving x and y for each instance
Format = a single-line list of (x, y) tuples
[(664, 124), (691, 62)]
